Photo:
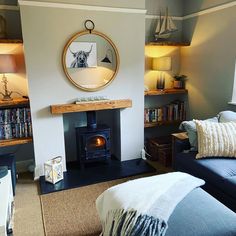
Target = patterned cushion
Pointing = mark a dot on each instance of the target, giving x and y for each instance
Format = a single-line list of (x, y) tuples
[(216, 139)]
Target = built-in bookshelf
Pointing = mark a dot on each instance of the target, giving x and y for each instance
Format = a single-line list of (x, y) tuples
[(171, 113), (15, 122)]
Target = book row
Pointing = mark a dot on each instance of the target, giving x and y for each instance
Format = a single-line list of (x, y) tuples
[(15, 130), (15, 115), (171, 112)]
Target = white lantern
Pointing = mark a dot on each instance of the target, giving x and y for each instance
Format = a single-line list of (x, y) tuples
[(53, 170)]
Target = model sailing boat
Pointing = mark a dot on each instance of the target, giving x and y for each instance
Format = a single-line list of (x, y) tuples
[(165, 26)]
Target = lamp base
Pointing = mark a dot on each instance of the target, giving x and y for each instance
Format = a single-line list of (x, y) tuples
[(160, 84), (7, 98), (7, 94)]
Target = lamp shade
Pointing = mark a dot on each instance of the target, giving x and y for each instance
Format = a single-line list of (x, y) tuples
[(161, 63), (7, 63)]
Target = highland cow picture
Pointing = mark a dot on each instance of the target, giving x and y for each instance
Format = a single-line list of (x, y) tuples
[(81, 55)]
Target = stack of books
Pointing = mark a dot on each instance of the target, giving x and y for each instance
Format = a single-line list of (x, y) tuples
[(15, 123), (175, 111)]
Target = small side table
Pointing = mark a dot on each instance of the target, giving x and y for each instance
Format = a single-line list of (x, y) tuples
[(177, 136)]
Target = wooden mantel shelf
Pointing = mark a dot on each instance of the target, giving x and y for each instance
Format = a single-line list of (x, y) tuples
[(91, 106)]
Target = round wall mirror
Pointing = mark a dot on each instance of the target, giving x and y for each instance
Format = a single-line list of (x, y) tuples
[(90, 60)]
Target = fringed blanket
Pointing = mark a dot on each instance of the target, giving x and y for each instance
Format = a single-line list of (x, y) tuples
[(143, 206)]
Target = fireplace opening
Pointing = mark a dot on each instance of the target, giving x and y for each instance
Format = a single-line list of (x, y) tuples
[(71, 121), (96, 142), (93, 141)]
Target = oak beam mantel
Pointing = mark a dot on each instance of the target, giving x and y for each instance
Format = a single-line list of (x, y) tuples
[(91, 106)]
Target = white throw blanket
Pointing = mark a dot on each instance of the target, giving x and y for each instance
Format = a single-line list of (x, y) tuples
[(143, 206)]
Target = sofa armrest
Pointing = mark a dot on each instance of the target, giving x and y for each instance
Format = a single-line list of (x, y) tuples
[(180, 142), (181, 145)]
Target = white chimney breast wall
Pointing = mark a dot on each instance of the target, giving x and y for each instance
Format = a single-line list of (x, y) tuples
[(48, 84)]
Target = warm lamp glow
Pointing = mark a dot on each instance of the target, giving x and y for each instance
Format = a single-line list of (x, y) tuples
[(7, 65), (161, 63)]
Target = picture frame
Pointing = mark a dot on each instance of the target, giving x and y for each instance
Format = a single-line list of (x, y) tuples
[(81, 55)]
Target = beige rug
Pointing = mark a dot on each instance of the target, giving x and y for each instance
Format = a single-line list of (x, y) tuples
[(28, 216), (72, 212)]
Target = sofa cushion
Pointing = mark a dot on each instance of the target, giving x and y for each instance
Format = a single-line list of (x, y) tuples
[(219, 172), (207, 217), (216, 139), (191, 129), (227, 116)]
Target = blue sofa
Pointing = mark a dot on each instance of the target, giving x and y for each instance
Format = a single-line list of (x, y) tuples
[(219, 173)]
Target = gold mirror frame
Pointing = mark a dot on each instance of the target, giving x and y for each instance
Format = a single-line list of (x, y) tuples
[(117, 59)]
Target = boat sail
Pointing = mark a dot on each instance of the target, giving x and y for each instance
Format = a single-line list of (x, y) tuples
[(165, 26)]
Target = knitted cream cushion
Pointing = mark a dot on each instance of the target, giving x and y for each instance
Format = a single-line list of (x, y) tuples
[(216, 139)]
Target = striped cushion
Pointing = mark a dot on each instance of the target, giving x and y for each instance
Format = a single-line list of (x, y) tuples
[(216, 139)]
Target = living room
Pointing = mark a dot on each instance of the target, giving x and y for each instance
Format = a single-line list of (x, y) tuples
[(46, 28)]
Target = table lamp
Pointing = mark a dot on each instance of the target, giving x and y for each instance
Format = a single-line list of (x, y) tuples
[(7, 65), (161, 64)]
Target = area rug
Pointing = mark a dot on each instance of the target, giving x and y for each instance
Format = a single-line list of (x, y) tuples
[(73, 212)]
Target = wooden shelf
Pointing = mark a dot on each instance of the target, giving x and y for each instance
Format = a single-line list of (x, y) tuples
[(91, 106), (16, 141), (11, 41), (165, 91), (14, 102), (159, 123), (178, 44)]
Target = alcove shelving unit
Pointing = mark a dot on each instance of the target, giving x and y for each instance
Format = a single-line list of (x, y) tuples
[(163, 93), (162, 116), (15, 103)]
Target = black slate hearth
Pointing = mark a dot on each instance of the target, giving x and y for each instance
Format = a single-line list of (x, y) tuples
[(96, 173)]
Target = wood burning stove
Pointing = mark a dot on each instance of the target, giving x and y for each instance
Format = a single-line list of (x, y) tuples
[(93, 141)]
